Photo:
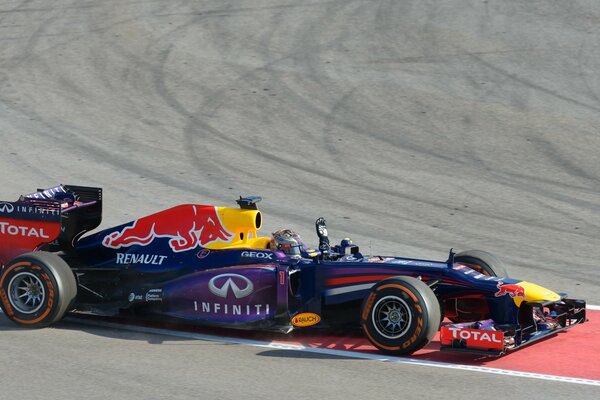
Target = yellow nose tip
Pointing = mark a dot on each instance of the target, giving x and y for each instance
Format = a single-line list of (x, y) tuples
[(535, 293)]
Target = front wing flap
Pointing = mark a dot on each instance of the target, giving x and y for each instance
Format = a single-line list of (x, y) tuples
[(536, 321)]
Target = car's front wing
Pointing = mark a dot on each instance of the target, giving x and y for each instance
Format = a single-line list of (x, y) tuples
[(536, 321)]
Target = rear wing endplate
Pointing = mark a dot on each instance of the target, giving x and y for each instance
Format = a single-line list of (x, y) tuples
[(27, 224), (56, 217)]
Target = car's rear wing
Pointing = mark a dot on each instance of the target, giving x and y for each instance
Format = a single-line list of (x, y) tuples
[(50, 218), (81, 216), (27, 224)]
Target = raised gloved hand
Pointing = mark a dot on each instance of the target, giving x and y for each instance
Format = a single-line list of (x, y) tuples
[(321, 227)]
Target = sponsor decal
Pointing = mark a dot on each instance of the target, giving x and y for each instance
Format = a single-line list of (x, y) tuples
[(48, 193), (10, 208), (239, 285), (232, 287), (187, 227), (231, 309), (368, 306), (25, 231), (6, 303), (306, 319), (468, 271), (411, 262), (150, 296), (418, 330), (403, 262), (146, 259), (203, 253), (37, 210), (257, 254), (133, 297), (473, 337), (379, 259), (510, 289), (487, 336), (6, 207), (154, 295), (50, 286)]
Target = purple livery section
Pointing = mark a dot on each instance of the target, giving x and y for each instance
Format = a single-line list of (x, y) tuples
[(231, 295)]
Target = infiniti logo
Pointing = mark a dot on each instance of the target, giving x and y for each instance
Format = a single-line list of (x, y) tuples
[(231, 283), (6, 207)]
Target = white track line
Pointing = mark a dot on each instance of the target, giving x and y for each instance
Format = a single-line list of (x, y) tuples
[(339, 353)]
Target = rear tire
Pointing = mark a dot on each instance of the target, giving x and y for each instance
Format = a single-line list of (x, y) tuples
[(400, 315), (37, 289)]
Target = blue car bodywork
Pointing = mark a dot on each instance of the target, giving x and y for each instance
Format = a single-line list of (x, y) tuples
[(208, 265)]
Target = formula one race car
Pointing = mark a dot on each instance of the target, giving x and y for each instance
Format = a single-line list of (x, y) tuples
[(208, 265)]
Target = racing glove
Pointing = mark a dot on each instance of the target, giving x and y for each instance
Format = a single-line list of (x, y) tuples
[(324, 246)]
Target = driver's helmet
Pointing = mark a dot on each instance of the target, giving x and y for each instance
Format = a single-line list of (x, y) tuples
[(288, 241)]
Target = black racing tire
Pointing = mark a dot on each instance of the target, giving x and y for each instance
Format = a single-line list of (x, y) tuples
[(400, 315), (482, 262), (37, 289)]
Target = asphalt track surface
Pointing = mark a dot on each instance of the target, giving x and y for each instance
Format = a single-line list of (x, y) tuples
[(411, 126)]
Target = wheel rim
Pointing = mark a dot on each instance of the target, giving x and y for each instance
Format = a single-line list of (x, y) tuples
[(26, 293), (391, 317)]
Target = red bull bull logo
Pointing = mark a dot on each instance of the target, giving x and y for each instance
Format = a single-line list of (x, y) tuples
[(187, 226), (510, 289)]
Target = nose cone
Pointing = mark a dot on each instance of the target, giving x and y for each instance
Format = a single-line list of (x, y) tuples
[(535, 293)]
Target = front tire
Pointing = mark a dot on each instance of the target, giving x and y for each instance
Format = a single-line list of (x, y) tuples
[(36, 289), (469, 310), (482, 262), (400, 315)]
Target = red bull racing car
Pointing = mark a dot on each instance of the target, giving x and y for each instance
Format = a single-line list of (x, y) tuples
[(208, 265)]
